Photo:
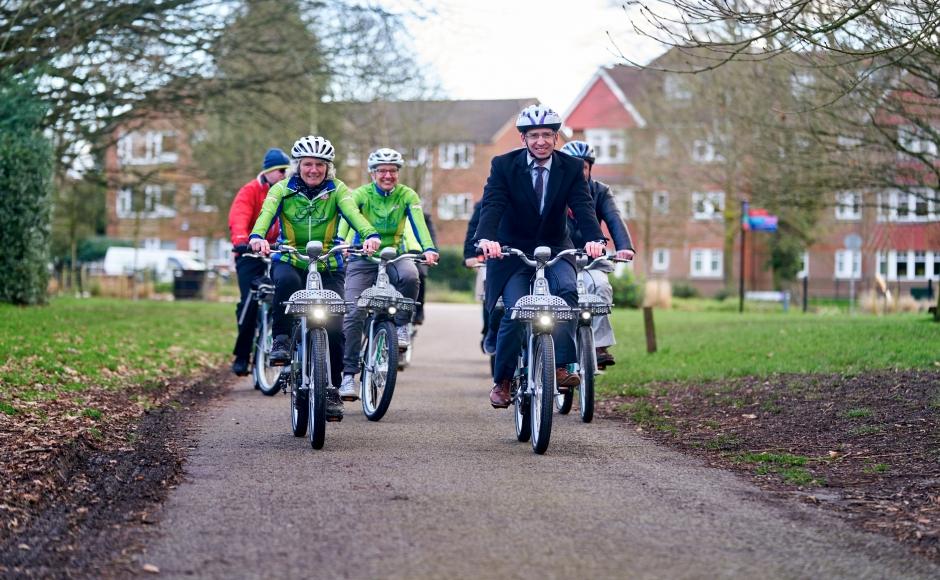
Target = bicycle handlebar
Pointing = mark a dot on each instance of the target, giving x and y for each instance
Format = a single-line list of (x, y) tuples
[(417, 258)]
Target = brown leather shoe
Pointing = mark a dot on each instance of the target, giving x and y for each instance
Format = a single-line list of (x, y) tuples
[(604, 358), (499, 396), (564, 380)]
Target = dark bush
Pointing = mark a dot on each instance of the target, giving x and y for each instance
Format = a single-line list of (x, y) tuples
[(680, 290), (25, 194), (451, 271), (628, 293)]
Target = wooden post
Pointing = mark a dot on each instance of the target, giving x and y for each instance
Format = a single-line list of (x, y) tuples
[(650, 329), (743, 241)]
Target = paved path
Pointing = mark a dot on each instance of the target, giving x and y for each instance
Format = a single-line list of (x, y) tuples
[(441, 489)]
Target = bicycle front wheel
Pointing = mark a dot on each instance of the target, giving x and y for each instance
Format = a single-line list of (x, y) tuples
[(587, 363), (317, 356), (543, 390), (299, 408), (265, 375), (379, 369)]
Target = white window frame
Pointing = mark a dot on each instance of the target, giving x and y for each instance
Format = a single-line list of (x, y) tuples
[(849, 206), (890, 204), (703, 151), (418, 156), (676, 88), (660, 260), (197, 245), (802, 83), (153, 148), (626, 202), (455, 155), (151, 244), (804, 269), (610, 145), (712, 202), (661, 201), (706, 263), (848, 265), (353, 155), (916, 141), (197, 196), (455, 206), (888, 265), (663, 145)]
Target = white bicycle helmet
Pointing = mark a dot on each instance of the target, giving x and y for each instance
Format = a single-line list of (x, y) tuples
[(538, 116), (313, 146), (385, 156), (581, 150)]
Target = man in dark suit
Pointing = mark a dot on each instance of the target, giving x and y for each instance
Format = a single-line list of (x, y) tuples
[(525, 203)]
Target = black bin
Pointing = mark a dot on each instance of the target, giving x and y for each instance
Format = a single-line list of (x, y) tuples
[(188, 284)]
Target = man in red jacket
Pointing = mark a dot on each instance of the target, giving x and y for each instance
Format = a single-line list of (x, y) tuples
[(241, 219)]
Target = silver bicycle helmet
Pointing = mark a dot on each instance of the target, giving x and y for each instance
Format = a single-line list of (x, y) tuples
[(581, 150), (313, 146), (385, 156), (538, 116)]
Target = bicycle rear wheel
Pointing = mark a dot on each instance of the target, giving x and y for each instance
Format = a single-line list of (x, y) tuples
[(521, 413), (379, 369), (317, 357), (299, 409), (543, 383), (588, 365), (265, 375)]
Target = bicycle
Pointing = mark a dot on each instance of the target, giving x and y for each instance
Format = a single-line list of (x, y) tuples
[(589, 306), (308, 374), (533, 383), (262, 293), (379, 354)]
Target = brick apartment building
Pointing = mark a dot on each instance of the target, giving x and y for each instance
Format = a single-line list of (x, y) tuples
[(678, 226)]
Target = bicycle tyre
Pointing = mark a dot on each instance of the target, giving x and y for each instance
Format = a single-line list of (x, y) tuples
[(588, 366), (521, 414), (299, 409), (563, 402), (543, 382), (318, 357), (266, 376), (379, 370)]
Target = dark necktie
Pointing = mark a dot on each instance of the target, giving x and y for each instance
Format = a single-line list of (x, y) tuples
[(539, 186)]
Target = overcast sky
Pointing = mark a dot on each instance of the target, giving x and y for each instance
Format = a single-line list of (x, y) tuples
[(548, 49)]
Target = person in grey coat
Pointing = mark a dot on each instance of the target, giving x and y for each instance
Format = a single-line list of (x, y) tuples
[(595, 280)]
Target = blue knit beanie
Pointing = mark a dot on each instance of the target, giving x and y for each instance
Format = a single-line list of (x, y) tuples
[(275, 159)]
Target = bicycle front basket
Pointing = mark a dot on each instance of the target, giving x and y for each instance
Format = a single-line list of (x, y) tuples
[(304, 302), (382, 300), (531, 306)]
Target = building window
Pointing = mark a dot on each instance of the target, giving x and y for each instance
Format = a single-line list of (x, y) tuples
[(898, 206), (914, 141), (706, 263), (455, 206), (848, 265), (197, 197), (455, 155), (804, 266), (610, 145), (708, 205), (147, 148), (353, 155), (909, 265), (848, 206), (662, 147), (676, 88), (703, 151), (660, 260), (626, 202), (416, 156), (151, 244), (198, 247), (661, 201)]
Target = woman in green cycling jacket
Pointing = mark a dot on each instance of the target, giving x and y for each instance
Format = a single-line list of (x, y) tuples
[(308, 205), (391, 207)]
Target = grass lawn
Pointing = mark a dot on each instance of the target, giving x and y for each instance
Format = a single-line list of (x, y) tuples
[(699, 346), (72, 344)]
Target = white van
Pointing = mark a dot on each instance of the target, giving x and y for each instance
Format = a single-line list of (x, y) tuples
[(119, 261)]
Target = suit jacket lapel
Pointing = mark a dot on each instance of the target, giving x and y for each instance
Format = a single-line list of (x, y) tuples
[(555, 177), (525, 175)]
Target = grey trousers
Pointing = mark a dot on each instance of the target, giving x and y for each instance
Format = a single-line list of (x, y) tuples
[(361, 274), (595, 282)]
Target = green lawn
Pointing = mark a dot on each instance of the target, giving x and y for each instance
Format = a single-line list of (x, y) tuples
[(74, 343), (697, 346)]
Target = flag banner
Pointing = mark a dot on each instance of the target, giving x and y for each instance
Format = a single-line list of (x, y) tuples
[(759, 220)]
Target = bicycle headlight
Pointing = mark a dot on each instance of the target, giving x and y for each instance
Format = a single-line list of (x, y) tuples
[(545, 320), (392, 310), (319, 313), (586, 314)]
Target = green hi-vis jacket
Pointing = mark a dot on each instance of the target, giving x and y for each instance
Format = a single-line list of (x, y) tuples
[(303, 220), (390, 213)]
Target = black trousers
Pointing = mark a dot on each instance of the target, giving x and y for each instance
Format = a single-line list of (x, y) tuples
[(248, 270), (287, 280)]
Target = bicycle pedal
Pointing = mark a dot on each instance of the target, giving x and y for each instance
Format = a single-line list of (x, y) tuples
[(334, 419)]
